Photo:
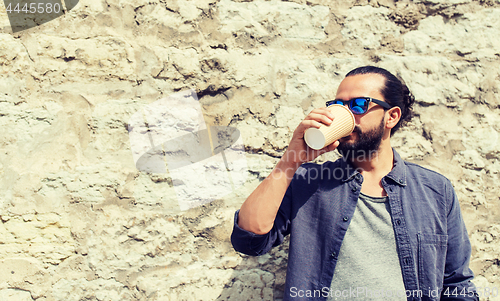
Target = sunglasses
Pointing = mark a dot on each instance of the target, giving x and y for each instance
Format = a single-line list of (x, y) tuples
[(358, 105)]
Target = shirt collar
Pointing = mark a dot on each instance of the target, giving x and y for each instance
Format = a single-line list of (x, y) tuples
[(397, 174)]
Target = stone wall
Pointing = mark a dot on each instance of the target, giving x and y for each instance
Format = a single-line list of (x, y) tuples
[(79, 221)]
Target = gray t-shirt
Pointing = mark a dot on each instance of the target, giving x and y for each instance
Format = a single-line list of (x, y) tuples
[(368, 265)]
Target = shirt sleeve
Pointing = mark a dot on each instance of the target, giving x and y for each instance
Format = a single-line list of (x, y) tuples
[(253, 244), (457, 284)]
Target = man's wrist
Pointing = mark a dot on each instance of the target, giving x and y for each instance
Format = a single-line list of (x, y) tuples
[(286, 168)]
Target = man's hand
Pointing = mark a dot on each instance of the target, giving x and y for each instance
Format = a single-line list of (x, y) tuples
[(298, 152)]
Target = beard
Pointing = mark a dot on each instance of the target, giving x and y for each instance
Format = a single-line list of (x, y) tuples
[(365, 147)]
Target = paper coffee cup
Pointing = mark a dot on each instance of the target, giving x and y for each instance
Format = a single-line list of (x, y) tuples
[(341, 126)]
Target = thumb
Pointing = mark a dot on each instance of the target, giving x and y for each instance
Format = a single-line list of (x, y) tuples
[(330, 148)]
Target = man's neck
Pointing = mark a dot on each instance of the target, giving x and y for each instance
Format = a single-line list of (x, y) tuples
[(373, 169), (377, 163)]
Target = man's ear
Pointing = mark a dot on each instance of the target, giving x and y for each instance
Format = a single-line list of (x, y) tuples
[(393, 115)]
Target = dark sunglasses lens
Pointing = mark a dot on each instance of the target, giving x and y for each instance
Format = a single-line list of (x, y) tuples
[(336, 102), (359, 105)]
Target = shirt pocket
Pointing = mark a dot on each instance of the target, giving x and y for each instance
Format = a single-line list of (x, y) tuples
[(431, 263)]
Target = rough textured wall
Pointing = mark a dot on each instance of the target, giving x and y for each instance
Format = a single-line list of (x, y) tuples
[(80, 222)]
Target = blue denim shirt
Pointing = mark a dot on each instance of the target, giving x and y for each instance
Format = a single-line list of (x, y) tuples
[(431, 238)]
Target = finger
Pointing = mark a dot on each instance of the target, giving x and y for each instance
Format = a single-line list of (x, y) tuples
[(325, 119), (333, 146), (330, 147), (305, 124), (323, 111)]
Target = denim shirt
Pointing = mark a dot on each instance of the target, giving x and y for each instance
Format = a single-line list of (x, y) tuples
[(432, 242)]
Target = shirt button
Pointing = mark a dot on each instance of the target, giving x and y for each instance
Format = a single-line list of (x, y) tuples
[(334, 254), (354, 189), (398, 222), (345, 219)]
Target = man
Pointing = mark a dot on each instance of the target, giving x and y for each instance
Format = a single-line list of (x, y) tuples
[(369, 226)]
